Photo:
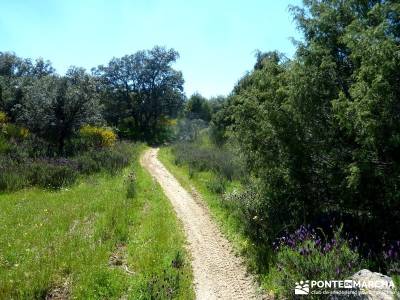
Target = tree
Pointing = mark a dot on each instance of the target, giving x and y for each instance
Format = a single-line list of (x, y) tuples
[(198, 107), (320, 132), (56, 107), (140, 90), (15, 74)]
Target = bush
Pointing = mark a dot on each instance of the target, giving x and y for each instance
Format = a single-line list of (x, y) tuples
[(199, 158), (87, 164), (4, 145), (12, 181), (53, 176), (305, 255), (22, 166), (165, 285), (15, 131), (217, 184), (3, 117), (110, 160), (12, 177), (97, 136)]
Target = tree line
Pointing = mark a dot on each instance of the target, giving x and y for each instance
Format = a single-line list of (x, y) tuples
[(136, 94)]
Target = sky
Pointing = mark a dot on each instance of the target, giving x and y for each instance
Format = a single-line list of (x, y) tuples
[(216, 39)]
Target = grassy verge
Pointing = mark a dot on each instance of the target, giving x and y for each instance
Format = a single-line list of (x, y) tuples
[(93, 241), (226, 218)]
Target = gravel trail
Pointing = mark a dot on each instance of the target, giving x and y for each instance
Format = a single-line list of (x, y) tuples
[(218, 273)]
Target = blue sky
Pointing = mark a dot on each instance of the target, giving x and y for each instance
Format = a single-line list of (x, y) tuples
[(216, 39)]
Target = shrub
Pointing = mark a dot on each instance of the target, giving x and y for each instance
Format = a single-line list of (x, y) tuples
[(110, 160), (391, 258), (12, 176), (200, 158), (53, 176), (35, 147), (87, 164), (248, 205), (4, 145), (305, 255), (3, 117), (15, 131), (165, 285), (12, 180), (217, 184), (26, 163), (97, 136)]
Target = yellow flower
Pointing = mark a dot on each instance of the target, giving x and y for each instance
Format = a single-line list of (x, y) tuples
[(97, 136)]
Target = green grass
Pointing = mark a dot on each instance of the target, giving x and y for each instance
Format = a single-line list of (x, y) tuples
[(226, 218), (53, 239)]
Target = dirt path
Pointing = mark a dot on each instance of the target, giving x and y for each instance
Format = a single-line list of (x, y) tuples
[(218, 273)]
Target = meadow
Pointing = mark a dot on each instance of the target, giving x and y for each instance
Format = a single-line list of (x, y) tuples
[(104, 237)]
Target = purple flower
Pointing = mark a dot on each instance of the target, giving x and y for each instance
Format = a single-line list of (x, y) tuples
[(327, 248)]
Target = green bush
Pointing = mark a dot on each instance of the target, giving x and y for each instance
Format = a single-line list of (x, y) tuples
[(203, 158), (4, 145), (97, 136), (51, 176), (217, 184), (10, 181), (12, 176), (87, 164), (23, 164), (110, 160)]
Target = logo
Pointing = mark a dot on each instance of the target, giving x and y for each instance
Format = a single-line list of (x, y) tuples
[(302, 288), (341, 287)]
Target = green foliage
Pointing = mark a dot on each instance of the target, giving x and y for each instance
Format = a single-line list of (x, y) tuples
[(49, 241), (103, 285), (110, 160), (320, 132), (197, 107), (309, 261), (396, 281), (163, 286), (51, 176), (131, 185), (12, 181), (190, 130), (3, 118), (13, 131), (217, 184), (140, 90), (19, 170), (56, 108), (204, 158), (93, 136), (4, 145)]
